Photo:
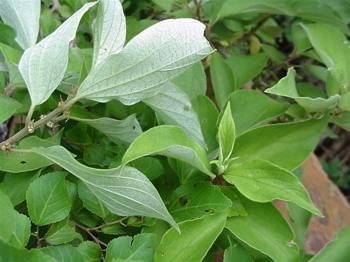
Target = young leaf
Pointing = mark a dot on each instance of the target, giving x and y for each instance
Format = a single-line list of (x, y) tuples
[(126, 248), (23, 16), (334, 50), (194, 242), (237, 253), (226, 134), (123, 190), (8, 107), (61, 233), (265, 230), (261, 181), (286, 145), (110, 30), (148, 61), (48, 200), (286, 87), (174, 107), (117, 131), (43, 66), (251, 109), (170, 141), (336, 250)]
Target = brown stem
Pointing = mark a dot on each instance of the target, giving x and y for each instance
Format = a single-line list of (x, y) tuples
[(88, 231)]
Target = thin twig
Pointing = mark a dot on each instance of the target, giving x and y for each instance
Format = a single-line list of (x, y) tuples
[(88, 231)]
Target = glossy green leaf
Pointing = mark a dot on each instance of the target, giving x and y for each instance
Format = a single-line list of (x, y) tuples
[(15, 227), (48, 200), (251, 109), (139, 248), (226, 134), (334, 51), (18, 162), (110, 30), (170, 141), (286, 145), (61, 233), (8, 107), (194, 242), (91, 202), (337, 249), (118, 131), (147, 62), (265, 229), (41, 75), (124, 190), (22, 16), (194, 201), (90, 251), (261, 181), (287, 87), (174, 107)]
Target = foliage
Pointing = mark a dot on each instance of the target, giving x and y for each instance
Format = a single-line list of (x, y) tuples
[(164, 130)]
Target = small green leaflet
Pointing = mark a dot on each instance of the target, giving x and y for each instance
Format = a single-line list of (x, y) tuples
[(8, 107), (286, 87), (110, 30), (196, 238), (61, 233), (170, 141), (148, 61), (90, 251), (124, 190), (43, 66), (48, 200), (261, 181), (23, 17), (226, 135)]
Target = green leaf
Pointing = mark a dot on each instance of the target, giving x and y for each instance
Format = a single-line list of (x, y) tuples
[(334, 51), (222, 79), (194, 201), (43, 66), (265, 230), (193, 81), (91, 202), (24, 18), (15, 227), (61, 233), (336, 250), (194, 242), (170, 141), (139, 248), (90, 251), (237, 253), (226, 134), (286, 145), (311, 10), (18, 162), (286, 87), (8, 106), (344, 102), (174, 107), (48, 200), (261, 181), (16, 185), (251, 109), (164, 4), (123, 190), (147, 62), (110, 30), (117, 131)]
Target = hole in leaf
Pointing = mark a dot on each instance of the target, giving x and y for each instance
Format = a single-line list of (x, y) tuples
[(23, 162), (183, 201)]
